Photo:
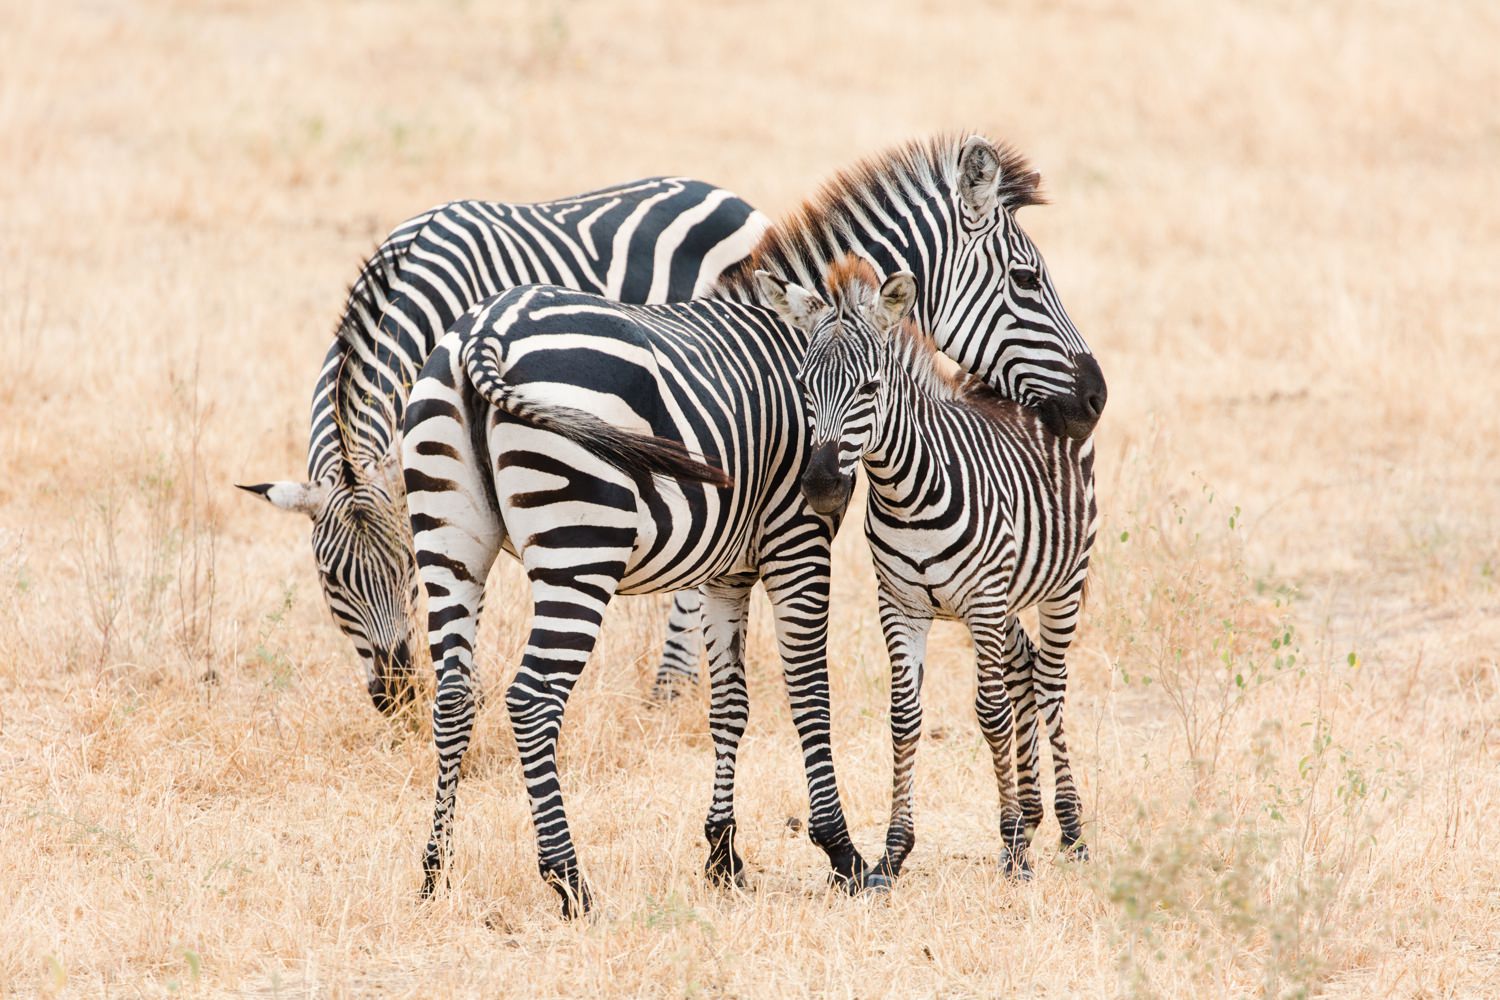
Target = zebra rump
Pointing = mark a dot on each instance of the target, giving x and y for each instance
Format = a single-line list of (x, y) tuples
[(633, 454)]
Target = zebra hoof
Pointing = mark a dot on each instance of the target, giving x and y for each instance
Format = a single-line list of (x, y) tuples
[(875, 883), (1076, 851), (1016, 867), (577, 901)]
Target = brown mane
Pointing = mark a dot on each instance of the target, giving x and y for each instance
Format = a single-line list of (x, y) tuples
[(851, 279), (818, 228)]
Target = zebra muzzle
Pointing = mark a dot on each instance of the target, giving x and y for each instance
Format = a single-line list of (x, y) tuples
[(824, 487)]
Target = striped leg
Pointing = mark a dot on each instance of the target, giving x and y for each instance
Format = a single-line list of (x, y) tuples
[(568, 608), (996, 721), (450, 514), (906, 642), (683, 648), (724, 612), (1020, 655), (1059, 620), (798, 589)]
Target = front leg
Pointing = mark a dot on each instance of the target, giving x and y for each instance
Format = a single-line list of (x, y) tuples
[(724, 610), (683, 647), (906, 643), (798, 589)]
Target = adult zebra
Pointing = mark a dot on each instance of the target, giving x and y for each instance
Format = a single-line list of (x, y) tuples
[(662, 239), (976, 512), (493, 462)]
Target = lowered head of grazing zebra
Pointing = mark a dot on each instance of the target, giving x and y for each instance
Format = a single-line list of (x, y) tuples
[(945, 210), (361, 539)]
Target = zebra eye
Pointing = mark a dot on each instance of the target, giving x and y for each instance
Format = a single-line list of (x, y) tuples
[(1026, 278), (870, 387)]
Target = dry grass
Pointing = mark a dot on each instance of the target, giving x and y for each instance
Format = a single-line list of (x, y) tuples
[(1278, 227)]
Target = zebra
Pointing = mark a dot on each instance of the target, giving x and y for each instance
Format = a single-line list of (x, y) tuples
[(976, 511), (492, 463), (655, 240)]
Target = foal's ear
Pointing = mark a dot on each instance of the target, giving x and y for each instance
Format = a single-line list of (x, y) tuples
[(793, 303), (303, 498), (898, 297)]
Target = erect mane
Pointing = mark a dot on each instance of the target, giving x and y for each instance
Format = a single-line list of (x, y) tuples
[(356, 345), (820, 228)]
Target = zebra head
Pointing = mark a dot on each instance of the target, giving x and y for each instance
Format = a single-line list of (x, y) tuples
[(842, 374), (362, 542), (995, 310)]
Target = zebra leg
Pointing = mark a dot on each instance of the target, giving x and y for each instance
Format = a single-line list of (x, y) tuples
[(567, 609), (724, 612), (1020, 654), (997, 722), (1058, 619), (798, 589), (683, 648), (906, 642), (456, 536)]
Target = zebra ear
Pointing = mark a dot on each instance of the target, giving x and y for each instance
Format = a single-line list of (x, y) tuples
[(772, 290), (898, 296), (303, 498), (388, 473), (979, 175), (793, 303)]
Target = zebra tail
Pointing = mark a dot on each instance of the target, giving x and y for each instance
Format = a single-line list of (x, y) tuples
[(631, 453)]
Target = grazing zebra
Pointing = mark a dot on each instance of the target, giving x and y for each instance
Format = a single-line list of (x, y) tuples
[(657, 240), (713, 377), (985, 295), (976, 512)]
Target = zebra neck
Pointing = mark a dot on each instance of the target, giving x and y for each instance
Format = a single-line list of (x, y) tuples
[(904, 469)]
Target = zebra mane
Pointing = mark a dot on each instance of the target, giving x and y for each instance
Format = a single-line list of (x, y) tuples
[(820, 229), (357, 343)]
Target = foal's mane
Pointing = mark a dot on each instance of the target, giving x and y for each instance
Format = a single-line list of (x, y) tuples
[(819, 229), (852, 283)]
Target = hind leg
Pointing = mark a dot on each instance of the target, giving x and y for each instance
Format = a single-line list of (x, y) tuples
[(568, 605), (1020, 655), (683, 647), (992, 704), (456, 536), (1059, 620)]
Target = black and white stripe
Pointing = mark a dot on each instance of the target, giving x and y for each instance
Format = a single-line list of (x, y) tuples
[(492, 463), (977, 511), (657, 240)]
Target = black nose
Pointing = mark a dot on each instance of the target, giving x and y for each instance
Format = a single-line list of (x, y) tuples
[(1092, 389), (825, 490)]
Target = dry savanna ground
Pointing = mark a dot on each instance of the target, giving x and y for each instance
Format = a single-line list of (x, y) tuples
[(1278, 225)]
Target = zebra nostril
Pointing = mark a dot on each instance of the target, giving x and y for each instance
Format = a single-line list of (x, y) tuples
[(1095, 404)]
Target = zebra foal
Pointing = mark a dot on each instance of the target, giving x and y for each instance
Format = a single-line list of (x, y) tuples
[(976, 512)]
